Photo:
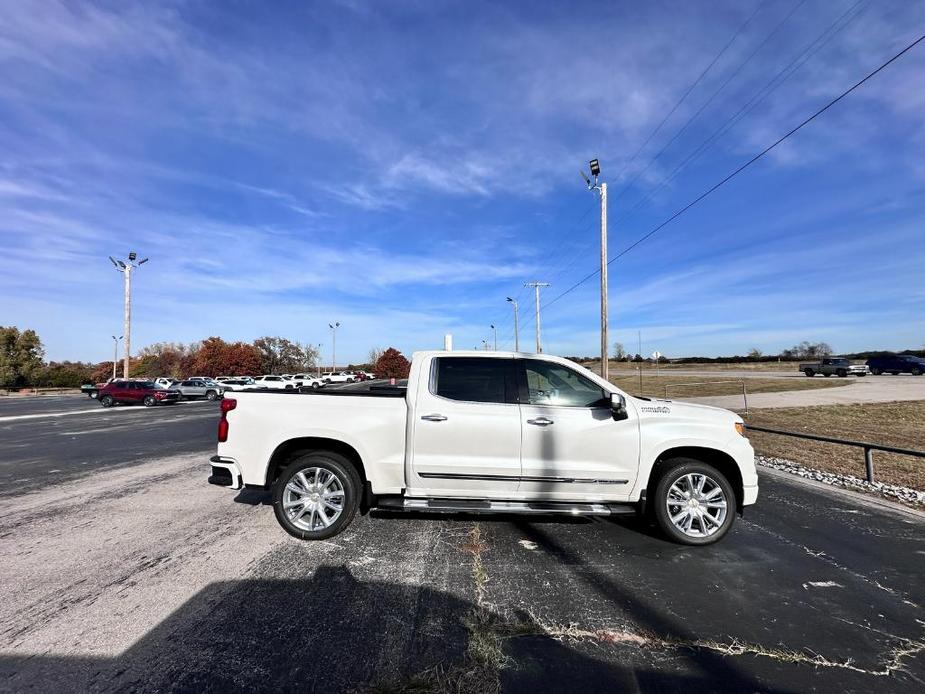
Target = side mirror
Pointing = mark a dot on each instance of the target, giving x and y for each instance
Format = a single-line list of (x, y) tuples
[(618, 407)]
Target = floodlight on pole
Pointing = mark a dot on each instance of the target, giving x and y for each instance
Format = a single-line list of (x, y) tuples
[(126, 269), (516, 326), (334, 326), (115, 354), (601, 188)]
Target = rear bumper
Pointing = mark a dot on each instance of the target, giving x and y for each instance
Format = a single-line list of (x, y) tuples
[(225, 472)]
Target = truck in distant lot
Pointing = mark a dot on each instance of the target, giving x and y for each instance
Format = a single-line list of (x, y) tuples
[(896, 364), (491, 432), (834, 366)]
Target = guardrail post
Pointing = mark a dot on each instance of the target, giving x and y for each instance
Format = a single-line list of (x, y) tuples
[(869, 462)]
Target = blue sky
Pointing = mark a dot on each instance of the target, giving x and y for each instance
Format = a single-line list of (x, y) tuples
[(402, 167)]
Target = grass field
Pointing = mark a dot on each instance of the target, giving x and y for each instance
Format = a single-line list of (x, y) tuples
[(900, 424), (684, 386), (621, 366)]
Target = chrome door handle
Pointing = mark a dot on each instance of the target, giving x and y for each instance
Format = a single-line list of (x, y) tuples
[(434, 418), (540, 421)]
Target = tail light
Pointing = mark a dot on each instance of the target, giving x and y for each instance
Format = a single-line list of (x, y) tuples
[(228, 404)]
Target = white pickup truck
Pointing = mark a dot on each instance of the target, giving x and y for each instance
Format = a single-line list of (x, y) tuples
[(488, 432)]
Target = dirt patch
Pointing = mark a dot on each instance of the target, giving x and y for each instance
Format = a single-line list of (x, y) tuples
[(699, 386), (897, 424)]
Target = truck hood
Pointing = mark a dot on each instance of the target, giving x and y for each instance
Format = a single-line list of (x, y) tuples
[(685, 410)]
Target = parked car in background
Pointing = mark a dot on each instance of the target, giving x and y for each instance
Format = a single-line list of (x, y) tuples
[(339, 377), (488, 432), (91, 389), (238, 384), (146, 393), (165, 382), (834, 366), (309, 381), (200, 388), (274, 382), (896, 364)]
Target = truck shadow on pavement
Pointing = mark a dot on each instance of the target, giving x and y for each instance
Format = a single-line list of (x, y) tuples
[(332, 632)]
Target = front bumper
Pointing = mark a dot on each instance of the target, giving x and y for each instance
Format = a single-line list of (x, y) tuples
[(225, 472)]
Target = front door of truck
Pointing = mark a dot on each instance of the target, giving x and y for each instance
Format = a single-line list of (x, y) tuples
[(466, 429), (572, 449)]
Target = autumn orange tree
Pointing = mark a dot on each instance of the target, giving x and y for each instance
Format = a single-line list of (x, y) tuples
[(392, 364)]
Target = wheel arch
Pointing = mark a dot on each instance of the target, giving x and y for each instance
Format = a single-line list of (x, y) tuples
[(291, 448), (721, 460)]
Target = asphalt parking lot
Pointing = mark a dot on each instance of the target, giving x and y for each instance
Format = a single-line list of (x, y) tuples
[(123, 570)]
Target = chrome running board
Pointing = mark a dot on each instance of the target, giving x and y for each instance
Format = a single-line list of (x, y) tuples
[(489, 506)]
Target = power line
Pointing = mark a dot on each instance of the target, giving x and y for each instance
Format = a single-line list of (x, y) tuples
[(782, 76), (742, 168), (713, 96), (690, 89)]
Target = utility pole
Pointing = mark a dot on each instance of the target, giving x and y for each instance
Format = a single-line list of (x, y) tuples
[(495, 331), (602, 189), (126, 269), (536, 288), (334, 326), (115, 354), (516, 326)]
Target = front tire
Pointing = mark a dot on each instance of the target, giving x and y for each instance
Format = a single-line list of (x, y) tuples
[(107, 401), (810, 373), (694, 503), (316, 496), (876, 372), (211, 395), (916, 372), (150, 401), (842, 373)]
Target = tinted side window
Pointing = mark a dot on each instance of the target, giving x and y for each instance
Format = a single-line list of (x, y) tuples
[(473, 379), (552, 384)]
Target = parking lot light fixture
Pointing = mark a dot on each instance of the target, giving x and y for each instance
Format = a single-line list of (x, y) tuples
[(115, 353), (495, 332), (126, 269), (516, 326), (601, 188), (334, 326)]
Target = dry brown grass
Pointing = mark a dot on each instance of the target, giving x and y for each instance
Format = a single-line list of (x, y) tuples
[(621, 366), (654, 386), (900, 424)]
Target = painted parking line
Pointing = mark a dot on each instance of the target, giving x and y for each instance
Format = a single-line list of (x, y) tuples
[(98, 410)]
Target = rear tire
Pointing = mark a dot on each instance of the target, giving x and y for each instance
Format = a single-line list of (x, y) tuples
[(150, 401), (916, 372), (826, 375), (810, 373), (317, 480), (841, 373), (107, 401), (696, 495)]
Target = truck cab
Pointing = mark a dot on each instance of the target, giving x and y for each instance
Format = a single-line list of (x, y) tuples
[(488, 432)]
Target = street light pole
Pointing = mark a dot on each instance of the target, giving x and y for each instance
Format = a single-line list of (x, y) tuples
[(536, 287), (516, 327), (602, 189), (334, 328), (115, 354), (126, 267), (495, 331)]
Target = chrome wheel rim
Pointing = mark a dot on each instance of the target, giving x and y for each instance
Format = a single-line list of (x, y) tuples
[(313, 499), (696, 505)]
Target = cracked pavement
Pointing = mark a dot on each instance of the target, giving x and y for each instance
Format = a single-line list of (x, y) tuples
[(139, 576)]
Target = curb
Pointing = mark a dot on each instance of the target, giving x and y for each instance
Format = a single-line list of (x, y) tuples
[(857, 497)]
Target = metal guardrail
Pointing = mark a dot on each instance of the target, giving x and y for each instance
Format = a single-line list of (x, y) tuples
[(709, 383), (868, 447)]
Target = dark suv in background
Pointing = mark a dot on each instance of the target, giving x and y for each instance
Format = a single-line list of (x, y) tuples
[(897, 364), (146, 393)]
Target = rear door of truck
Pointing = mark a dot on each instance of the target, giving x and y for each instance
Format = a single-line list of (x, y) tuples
[(465, 436)]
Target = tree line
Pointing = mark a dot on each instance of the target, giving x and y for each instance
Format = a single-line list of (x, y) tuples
[(22, 361)]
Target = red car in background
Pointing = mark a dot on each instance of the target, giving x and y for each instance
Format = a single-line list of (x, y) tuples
[(145, 393)]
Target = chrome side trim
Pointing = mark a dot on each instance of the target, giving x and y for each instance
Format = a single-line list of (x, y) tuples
[(518, 478)]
